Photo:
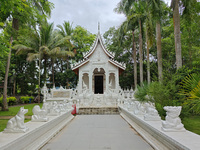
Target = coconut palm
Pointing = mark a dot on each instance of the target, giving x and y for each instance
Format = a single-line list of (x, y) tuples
[(156, 11), (66, 32), (134, 11), (41, 46), (34, 10), (186, 6), (149, 40)]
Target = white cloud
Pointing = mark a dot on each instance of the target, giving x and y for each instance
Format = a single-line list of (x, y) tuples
[(87, 13)]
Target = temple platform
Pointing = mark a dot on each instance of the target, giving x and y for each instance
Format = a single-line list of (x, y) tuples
[(94, 110)]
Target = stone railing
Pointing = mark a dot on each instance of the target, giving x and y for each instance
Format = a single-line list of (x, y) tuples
[(45, 124), (165, 135)]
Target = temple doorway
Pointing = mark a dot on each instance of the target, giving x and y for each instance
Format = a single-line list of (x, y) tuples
[(98, 85)]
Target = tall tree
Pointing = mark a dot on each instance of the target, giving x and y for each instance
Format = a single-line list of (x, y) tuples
[(21, 12), (156, 10), (186, 6), (66, 31), (149, 41), (177, 35), (134, 11)]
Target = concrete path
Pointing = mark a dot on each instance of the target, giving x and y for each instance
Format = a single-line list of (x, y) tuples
[(97, 132)]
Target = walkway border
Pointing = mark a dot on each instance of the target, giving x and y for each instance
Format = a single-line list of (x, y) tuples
[(151, 132), (38, 135)]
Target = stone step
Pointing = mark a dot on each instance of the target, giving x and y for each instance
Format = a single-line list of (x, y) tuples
[(98, 111)]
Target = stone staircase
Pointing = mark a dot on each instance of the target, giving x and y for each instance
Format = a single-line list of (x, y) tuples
[(98, 111)]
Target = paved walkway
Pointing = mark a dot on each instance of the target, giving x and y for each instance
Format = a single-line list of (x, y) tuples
[(97, 132)]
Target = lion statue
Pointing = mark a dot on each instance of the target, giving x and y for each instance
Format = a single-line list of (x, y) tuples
[(39, 115), (16, 124)]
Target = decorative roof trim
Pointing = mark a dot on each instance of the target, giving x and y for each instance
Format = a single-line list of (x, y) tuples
[(119, 65), (79, 64), (98, 38)]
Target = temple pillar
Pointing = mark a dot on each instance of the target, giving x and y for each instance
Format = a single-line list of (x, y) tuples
[(90, 81), (116, 80), (80, 81), (107, 79)]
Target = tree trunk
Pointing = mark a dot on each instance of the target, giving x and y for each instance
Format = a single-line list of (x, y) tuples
[(177, 35), (159, 51), (67, 80), (141, 53), (5, 104), (52, 71), (190, 48), (14, 85), (148, 63), (135, 61)]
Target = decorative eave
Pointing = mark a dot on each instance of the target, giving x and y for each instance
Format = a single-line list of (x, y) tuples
[(118, 64), (79, 64), (91, 51)]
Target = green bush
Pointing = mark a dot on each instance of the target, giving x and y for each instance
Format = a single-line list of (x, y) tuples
[(12, 101), (1, 100), (190, 88), (142, 92), (26, 99)]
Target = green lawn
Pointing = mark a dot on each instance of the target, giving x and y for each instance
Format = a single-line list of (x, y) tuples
[(3, 123), (13, 110), (192, 123)]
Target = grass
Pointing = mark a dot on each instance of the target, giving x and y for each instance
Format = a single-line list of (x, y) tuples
[(13, 110), (3, 123), (192, 123)]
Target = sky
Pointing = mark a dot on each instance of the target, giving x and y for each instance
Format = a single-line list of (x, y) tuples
[(87, 13)]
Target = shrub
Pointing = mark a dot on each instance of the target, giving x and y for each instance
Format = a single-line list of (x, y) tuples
[(11, 101), (190, 88), (1, 100), (26, 99), (142, 92)]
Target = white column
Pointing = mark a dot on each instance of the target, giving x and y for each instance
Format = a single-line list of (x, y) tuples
[(107, 79), (80, 81), (90, 81), (116, 79)]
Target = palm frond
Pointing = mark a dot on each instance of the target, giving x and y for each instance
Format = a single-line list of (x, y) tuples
[(21, 49), (32, 56)]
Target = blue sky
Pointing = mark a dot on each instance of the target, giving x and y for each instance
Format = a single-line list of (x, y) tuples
[(87, 13)]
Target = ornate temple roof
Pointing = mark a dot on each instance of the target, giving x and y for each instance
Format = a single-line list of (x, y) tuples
[(87, 54)]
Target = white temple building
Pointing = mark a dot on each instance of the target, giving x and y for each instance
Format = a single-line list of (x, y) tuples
[(98, 73)]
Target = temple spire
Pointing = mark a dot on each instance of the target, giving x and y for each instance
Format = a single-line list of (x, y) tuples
[(98, 27)]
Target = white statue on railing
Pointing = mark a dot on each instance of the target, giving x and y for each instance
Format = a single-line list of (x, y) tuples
[(151, 113), (53, 109), (39, 115), (44, 92), (140, 109), (172, 120), (16, 124)]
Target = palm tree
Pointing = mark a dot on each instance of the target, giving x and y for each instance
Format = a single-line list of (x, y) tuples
[(42, 7), (149, 41), (156, 11), (66, 32), (177, 35), (134, 11), (41, 45), (186, 6)]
